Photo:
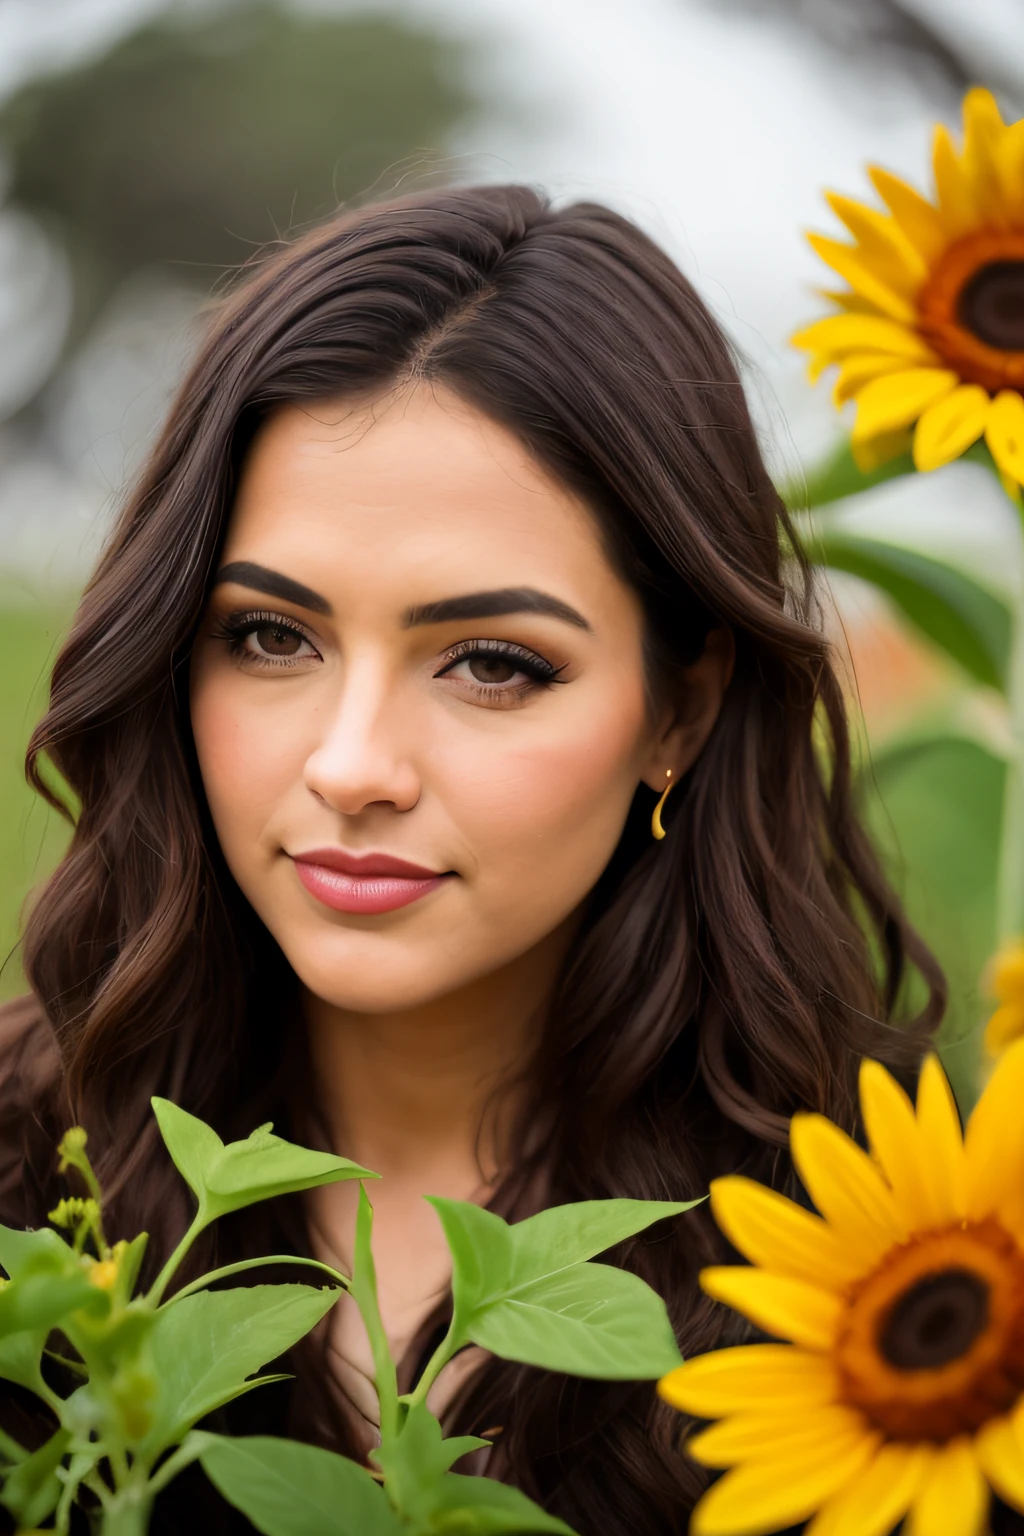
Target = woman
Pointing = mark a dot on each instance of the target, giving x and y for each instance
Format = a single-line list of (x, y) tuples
[(455, 562)]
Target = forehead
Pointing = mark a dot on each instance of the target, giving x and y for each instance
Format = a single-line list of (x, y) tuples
[(422, 486)]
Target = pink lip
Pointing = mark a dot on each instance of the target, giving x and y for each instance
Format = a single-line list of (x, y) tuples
[(372, 882)]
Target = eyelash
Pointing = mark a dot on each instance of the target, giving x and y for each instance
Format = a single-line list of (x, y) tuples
[(237, 627), (541, 673)]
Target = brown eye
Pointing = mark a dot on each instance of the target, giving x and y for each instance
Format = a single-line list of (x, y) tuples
[(491, 669), (273, 640)]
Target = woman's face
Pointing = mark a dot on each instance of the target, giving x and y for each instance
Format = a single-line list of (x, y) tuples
[(416, 648)]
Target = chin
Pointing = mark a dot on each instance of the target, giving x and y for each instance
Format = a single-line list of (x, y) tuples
[(360, 986)]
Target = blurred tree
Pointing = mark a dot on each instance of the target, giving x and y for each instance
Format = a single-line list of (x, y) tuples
[(197, 138), (910, 36)]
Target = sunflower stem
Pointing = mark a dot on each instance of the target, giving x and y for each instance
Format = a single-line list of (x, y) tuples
[(1010, 890)]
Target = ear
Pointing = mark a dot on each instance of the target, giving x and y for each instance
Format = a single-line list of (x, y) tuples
[(688, 721)]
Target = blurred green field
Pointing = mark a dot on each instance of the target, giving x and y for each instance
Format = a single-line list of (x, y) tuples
[(31, 836), (935, 816)]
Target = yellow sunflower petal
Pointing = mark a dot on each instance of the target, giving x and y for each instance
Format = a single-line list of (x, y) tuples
[(846, 1186), (949, 427), (838, 336), (939, 1123), (749, 1377), (1012, 488), (1010, 159), (875, 1502), (984, 131), (1004, 433), (827, 1431), (994, 1139), (780, 1235), (891, 1126), (953, 1496), (859, 369), (881, 245), (1001, 1457), (1005, 1025), (1008, 973), (789, 1309), (761, 1497), (983, 122), (870, 455), (956, 205), (916, 216), (855, 270), (895, 401), (850, 303)]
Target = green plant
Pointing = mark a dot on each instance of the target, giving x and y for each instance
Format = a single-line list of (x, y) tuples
[(149, 1369), (929, 787)]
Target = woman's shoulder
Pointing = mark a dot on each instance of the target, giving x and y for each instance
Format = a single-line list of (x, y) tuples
[(29, 1079)]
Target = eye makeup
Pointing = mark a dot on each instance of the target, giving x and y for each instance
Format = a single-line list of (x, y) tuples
[(536, 671), (263, 640), (236, 629)]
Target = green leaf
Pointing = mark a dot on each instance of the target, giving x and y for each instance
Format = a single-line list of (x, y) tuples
[(20, 1356), (478, 1506), (39, 1302), (32, 1488), (588, 1320), (935, 816), (838, 476), (526, 1293), (363, 1289), (415, 1461), (568, 1234), (194, 1146), (481, 1245), (130, 1263), (109, 1339), (430, 1498), (204, 1348), (17, 1249), (952, 610), (288, 1489), (226, 1178), (30, 1257)]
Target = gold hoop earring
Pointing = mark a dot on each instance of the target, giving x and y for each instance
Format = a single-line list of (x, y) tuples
[(656, 827)]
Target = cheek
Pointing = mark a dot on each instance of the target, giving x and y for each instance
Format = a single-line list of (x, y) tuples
[(543, 817), (245, 762)]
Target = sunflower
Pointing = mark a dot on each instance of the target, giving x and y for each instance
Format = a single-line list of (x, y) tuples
[(931, 330), (1006, 983), (901, 1388)]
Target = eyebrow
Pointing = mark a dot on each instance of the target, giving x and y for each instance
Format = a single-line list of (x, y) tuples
[(274, 583), (487, 605), (471, 605)]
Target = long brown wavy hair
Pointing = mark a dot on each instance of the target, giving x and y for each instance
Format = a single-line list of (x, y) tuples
[(722, 979)]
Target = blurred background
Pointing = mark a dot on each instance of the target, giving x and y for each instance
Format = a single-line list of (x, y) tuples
[(148, 147)]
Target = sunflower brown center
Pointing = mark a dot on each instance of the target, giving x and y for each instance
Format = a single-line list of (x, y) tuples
[(971, 308), (991, 305), (936, 1321), (931, 1344)]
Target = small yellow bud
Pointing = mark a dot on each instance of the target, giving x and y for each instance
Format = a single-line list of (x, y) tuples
[(73, 1141), (69, 1213), (103, 1273)]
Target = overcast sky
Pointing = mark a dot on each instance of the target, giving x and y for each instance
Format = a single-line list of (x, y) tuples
[(717, 133)]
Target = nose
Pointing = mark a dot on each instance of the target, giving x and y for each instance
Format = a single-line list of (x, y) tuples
[(359, 760)]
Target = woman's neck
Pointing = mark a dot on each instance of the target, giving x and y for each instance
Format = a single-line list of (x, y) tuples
[(422, 1096), (431, 1087)]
